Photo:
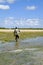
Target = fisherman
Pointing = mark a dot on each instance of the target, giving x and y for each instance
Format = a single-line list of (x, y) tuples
[(16, 33)]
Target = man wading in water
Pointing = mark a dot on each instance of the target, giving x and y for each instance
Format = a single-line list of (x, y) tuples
[(16, 34)]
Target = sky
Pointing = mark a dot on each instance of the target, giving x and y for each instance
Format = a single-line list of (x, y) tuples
[(21, 13)]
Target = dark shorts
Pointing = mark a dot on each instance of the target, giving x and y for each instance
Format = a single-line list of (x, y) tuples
[(17, 36)]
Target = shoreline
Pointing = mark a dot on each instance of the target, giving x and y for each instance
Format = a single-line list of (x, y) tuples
[(2, 30)]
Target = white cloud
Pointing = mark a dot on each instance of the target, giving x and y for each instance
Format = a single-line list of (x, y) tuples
[(9, 1), (4, 7), (33, 22), (11, 22), (31, 7)]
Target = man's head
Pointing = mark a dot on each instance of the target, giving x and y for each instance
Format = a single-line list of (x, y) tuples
[(15, 27)]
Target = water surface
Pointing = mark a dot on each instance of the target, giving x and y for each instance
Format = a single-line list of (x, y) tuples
[(24, 52)]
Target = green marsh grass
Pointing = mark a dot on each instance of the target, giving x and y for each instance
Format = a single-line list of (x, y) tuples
[(30, 34), (9, 36)]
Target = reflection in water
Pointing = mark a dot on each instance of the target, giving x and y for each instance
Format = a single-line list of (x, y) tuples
[(17, 45), (25, 43)]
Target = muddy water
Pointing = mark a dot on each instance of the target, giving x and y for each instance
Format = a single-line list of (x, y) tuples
[(23, 52)]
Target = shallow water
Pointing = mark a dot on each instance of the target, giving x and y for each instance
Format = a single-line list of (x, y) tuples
[(23, 52)]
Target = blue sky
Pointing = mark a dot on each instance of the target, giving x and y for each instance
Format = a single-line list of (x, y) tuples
[(21, 13)]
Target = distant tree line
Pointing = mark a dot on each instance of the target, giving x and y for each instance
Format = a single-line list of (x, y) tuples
[(23, 28)]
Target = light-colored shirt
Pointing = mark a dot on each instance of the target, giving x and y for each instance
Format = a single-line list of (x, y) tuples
[(16, 32)]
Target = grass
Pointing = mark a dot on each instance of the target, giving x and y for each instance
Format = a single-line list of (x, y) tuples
[(6, 36), (9, 36), (30, 34)]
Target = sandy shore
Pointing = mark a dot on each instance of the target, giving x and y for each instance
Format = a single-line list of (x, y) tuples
[(9, 30)]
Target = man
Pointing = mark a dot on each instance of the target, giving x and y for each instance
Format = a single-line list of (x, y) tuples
[(16, 34)]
